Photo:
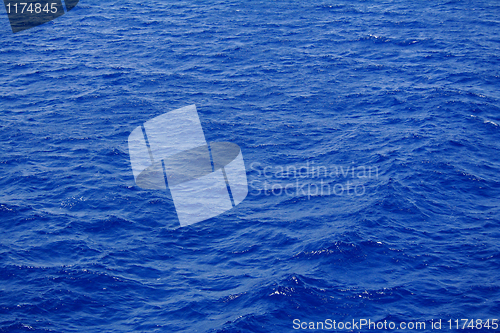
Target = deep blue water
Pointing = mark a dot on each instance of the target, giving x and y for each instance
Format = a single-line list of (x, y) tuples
[(411, 90)]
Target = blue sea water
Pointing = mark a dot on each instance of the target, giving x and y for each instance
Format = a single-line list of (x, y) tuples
[(408, 89)]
